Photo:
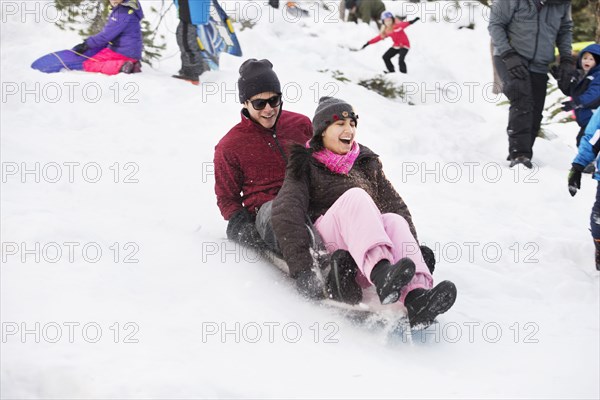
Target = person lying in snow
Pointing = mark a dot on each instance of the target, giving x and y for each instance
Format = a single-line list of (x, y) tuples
[(120, 41), (340, 186)]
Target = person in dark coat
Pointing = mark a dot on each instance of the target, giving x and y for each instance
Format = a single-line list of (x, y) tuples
[(191, 14), (250, 159), (340, 186), (524, 34), (365, 10), (120, 41)]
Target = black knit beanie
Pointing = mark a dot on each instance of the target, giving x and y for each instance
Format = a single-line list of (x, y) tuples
[(330, 110), (257, 77)]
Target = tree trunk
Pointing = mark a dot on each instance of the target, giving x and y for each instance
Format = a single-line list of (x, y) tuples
[(597, 21)]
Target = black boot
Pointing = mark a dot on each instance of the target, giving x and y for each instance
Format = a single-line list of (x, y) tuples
[(424, 305), (597, 244), (390, 279), (342, 278), (526, 161), (137, 67), (127, 67)]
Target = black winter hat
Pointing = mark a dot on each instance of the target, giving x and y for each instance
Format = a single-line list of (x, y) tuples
[(257, 77), (330, 110)]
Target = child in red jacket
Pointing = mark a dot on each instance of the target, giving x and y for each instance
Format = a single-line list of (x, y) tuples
[(394, 28)]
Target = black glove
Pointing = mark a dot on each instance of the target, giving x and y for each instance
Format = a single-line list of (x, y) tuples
[(566, 81), (242, 229), (309, 285), (414, 20), (364, 45), (568, 105), (515, 65), (428, 257), (575, 178), (81, 48), (566, 68)]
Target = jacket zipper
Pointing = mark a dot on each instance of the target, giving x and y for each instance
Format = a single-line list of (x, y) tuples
[(279, 147), (537, 33)]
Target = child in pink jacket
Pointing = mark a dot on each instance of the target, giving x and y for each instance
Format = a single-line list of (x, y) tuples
[(394, 28)]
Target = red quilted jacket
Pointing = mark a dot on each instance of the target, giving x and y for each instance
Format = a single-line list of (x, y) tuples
[(250, 161)]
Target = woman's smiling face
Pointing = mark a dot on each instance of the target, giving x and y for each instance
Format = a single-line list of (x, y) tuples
[(339, 136)]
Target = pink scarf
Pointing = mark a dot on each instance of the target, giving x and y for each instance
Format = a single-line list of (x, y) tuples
[(338, 163)]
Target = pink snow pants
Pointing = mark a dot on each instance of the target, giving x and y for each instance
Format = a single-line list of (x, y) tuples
[(106, 61), (354, 223)]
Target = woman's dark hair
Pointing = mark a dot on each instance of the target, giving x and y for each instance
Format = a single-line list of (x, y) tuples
[(316, 143)]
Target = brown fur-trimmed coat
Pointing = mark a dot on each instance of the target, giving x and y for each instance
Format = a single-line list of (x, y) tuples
[(310, 189)]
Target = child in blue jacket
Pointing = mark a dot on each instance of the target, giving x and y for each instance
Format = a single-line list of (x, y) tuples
[(589, 147), (585, 92)]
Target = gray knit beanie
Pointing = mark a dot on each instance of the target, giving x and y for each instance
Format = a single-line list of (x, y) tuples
[(330, 110), (257, 77)]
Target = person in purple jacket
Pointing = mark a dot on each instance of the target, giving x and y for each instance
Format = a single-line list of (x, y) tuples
[(120, 41)]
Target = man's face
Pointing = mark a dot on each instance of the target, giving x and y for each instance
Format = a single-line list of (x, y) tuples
[(264, 116)]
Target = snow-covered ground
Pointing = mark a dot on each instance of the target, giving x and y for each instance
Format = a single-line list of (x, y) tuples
[(116, 280)]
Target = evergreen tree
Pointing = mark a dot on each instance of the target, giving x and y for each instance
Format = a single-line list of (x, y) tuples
[(586, 20)]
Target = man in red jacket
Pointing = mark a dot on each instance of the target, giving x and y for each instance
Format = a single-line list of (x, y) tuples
[(250, 160)]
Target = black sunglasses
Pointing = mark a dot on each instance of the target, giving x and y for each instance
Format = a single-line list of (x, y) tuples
[(260, 104)]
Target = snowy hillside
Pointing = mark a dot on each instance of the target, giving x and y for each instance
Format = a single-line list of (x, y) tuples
[(116, 279)]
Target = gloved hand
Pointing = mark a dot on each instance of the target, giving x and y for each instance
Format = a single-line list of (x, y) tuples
[(575, 178), (81, 48), (566, 81), (568, 105), (309, 285), (428, 257), (566, 68), (515, 65), (242, 229), (364, 45), (415, 20)]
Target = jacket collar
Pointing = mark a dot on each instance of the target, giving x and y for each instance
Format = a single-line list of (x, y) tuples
[(249, 122)]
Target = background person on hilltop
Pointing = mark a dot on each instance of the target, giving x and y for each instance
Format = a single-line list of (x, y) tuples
[(394, 28), (365, 10), (191, 13)]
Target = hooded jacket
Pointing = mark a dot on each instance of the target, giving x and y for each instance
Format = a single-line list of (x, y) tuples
[(250, 161), (310, 189), (532, 28), (589, 147), (122, 32), (586, 92)]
